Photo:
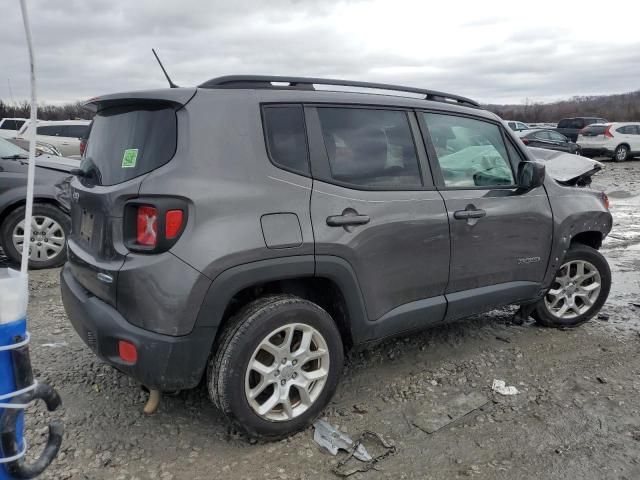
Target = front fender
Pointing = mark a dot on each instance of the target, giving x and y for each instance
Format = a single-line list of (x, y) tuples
[(575, 211)]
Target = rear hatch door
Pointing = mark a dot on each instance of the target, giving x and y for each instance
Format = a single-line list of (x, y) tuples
[(132, 135), (592, 135)]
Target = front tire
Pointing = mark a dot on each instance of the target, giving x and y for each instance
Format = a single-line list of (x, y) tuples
[(276, 367), (621, 153), (50, 227), (579, 289)]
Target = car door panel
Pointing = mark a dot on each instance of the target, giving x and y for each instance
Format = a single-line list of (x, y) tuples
[(395, 238), (510, 243), (400, 255)]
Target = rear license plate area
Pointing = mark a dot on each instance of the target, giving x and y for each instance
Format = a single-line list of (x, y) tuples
[(86, 225)]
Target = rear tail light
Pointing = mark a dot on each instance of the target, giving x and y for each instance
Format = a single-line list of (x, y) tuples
[(154, 224), (127, 351), (83, 146), (607, 132), (605, 200), (526, 141), (147, 226), (172, 223)]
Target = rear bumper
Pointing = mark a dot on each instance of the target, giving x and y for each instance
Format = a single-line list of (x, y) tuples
[(596, 151), (164, 362)]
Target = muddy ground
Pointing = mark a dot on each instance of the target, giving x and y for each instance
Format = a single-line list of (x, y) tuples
[(577, 414)]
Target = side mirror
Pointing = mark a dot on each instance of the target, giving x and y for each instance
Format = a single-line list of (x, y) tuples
[(530, 175)]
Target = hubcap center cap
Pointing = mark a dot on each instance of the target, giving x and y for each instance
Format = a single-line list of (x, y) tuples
[(287, 372)]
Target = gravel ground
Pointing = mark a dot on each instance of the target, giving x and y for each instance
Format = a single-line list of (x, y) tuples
[(576, 416)]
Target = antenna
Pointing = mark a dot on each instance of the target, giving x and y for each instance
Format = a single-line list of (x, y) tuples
[(171, 84)]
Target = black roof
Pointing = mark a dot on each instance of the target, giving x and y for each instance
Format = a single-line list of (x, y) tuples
[(304, 83)]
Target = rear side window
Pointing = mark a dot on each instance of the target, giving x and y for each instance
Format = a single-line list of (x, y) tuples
[(126, 142), (370, 148), (471, 152), (286, 137), (564, 123)]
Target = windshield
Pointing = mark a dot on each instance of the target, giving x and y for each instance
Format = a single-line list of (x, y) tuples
[(126, 142), (8, 149)]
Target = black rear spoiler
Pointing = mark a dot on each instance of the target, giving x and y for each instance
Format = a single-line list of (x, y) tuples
[(178, 97)]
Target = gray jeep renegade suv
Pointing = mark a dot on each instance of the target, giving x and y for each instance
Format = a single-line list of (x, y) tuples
[(252, 229)]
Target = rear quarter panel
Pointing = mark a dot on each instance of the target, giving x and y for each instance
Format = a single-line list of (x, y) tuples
[(221, 166)]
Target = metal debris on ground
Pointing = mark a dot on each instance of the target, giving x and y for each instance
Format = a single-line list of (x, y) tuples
[(341, 469), (500, 387), (332, 439)]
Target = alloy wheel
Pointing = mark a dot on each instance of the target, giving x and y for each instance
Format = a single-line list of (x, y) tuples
[(287, 372), (575, 289)]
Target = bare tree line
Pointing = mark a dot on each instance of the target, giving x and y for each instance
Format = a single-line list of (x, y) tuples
[(619, 107), (69, 111), (615, 108)]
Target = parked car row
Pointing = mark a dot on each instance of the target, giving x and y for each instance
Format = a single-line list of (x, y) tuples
[(617, 140), (63, 135), (588, 136)]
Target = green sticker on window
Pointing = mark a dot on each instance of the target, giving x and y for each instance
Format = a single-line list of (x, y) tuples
[(129, 158)]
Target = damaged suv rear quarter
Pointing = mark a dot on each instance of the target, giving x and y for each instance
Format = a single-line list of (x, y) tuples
[(249, 233)]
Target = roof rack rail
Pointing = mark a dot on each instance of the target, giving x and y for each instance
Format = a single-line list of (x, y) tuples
[(304, 83)]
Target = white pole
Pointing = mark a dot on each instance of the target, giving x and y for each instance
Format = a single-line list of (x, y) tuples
[(32, 147)]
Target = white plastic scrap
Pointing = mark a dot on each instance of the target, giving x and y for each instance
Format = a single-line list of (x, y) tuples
[(333, 440), (500, 387)]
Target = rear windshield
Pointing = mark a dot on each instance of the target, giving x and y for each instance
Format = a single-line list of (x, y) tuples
[(594, 130), (126, 142)]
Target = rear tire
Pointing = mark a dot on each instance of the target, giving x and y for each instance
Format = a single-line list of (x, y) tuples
[(579, 290), (51, 242), (276, 366), (621, 153)]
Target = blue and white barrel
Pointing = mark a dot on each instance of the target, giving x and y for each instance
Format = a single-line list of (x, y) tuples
[(13, 325)]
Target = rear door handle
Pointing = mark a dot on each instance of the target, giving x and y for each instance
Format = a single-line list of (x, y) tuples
[(347, 220), (467, 214)]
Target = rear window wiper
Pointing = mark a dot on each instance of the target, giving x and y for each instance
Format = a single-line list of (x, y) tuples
[(17, 156)]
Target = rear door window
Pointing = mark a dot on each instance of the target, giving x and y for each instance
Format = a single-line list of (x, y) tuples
[(126, 142), (370, 148), (564, 123), (542, 136), (470, 152), (556, 137), (286, 137), (75, 131), (51, 130)]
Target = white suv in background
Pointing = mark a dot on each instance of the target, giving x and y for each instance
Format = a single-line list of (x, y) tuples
[(9, 127), (64, 135), (618, 140)]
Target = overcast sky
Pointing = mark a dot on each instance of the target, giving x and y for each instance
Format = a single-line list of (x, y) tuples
[(498, 52)]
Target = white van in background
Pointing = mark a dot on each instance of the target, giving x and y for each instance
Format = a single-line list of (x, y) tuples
[(64, 135)]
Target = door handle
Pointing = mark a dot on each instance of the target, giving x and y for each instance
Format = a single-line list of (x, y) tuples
[(347, 220), (469, 213)]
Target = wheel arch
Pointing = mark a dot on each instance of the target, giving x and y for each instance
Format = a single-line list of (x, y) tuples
[(328, 281), (590, 238)]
